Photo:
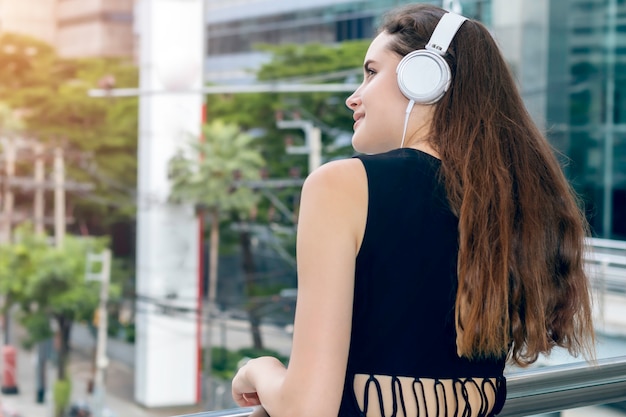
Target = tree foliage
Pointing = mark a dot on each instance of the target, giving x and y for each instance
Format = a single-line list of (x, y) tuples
[(50, 94), (297, 60), (10, 121), (305, 63), (299, 63), (48, 284), (27, 63), (204, 173)]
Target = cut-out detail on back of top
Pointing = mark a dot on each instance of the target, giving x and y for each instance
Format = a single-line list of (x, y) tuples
[(392, 396)]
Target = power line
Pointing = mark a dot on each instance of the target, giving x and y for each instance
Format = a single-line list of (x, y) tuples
[(231, 89)]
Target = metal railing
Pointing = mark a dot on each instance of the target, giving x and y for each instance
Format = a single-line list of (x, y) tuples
[(606, 265), (563, 387), (607, 243), (535, 391), (553, 388)]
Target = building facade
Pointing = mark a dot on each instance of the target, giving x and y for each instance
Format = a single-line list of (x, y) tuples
[(568, 56), (76, 28), (234, 28), (95, 28)]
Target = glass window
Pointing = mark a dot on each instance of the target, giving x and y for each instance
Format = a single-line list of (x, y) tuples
[(358, 28), (592, 114), (619, 186), (619, 116)]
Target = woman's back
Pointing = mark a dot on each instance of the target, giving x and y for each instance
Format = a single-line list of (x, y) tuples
[(403, 342), (387, 269)]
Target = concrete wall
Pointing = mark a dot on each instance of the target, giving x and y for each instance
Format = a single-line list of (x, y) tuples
[(76, 28), (96, 28)]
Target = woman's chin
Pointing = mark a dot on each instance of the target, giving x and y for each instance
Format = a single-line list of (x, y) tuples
[(370, 148)]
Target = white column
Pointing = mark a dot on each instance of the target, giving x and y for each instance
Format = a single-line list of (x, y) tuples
[(166, 351)]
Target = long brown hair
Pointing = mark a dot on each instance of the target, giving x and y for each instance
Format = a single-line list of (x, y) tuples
[(522, 288)]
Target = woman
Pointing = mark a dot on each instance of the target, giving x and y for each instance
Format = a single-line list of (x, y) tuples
[(453, 245)]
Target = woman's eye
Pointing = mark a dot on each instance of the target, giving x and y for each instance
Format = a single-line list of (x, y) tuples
[(369, 72)]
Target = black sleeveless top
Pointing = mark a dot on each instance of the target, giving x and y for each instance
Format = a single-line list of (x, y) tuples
[(405, 287)]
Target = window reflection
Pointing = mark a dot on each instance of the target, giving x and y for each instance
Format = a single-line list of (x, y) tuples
[(589, 109)]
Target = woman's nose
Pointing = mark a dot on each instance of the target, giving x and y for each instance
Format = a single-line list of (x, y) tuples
[(353, 101)]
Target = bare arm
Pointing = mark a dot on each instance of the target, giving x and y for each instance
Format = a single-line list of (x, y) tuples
[(330, 229)]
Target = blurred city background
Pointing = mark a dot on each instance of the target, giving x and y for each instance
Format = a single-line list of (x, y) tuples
[(152, 153)]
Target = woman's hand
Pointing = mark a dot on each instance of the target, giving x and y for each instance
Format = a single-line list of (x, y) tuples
[(244, 391), (249, 399)]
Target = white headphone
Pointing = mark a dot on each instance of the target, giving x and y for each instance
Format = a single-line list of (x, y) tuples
[(423, 75)]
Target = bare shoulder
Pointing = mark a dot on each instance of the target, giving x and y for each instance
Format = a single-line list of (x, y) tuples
[(335, 197), (345, 175)]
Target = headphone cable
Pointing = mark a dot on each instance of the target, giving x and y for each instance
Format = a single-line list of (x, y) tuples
[(409, 107)]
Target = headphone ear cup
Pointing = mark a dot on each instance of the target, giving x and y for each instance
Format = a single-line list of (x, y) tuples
[(423, 76)]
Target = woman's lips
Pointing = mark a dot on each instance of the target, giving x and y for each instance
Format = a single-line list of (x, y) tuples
[(357, 118)]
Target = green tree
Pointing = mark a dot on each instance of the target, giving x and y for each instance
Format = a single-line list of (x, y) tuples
[(10, 121), (211, 174), (99, 135), (25, 63), (290, 63), (301, 63), (48, 284)]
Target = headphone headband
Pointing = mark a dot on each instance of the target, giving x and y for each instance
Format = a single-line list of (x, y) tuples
[(443, 34)]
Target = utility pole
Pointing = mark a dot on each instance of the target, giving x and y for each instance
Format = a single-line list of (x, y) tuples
[(38, 182), (9, 357), (38, 214), (10, 150), (312, 138), (38, 205), (104, 276), (59, 197)]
